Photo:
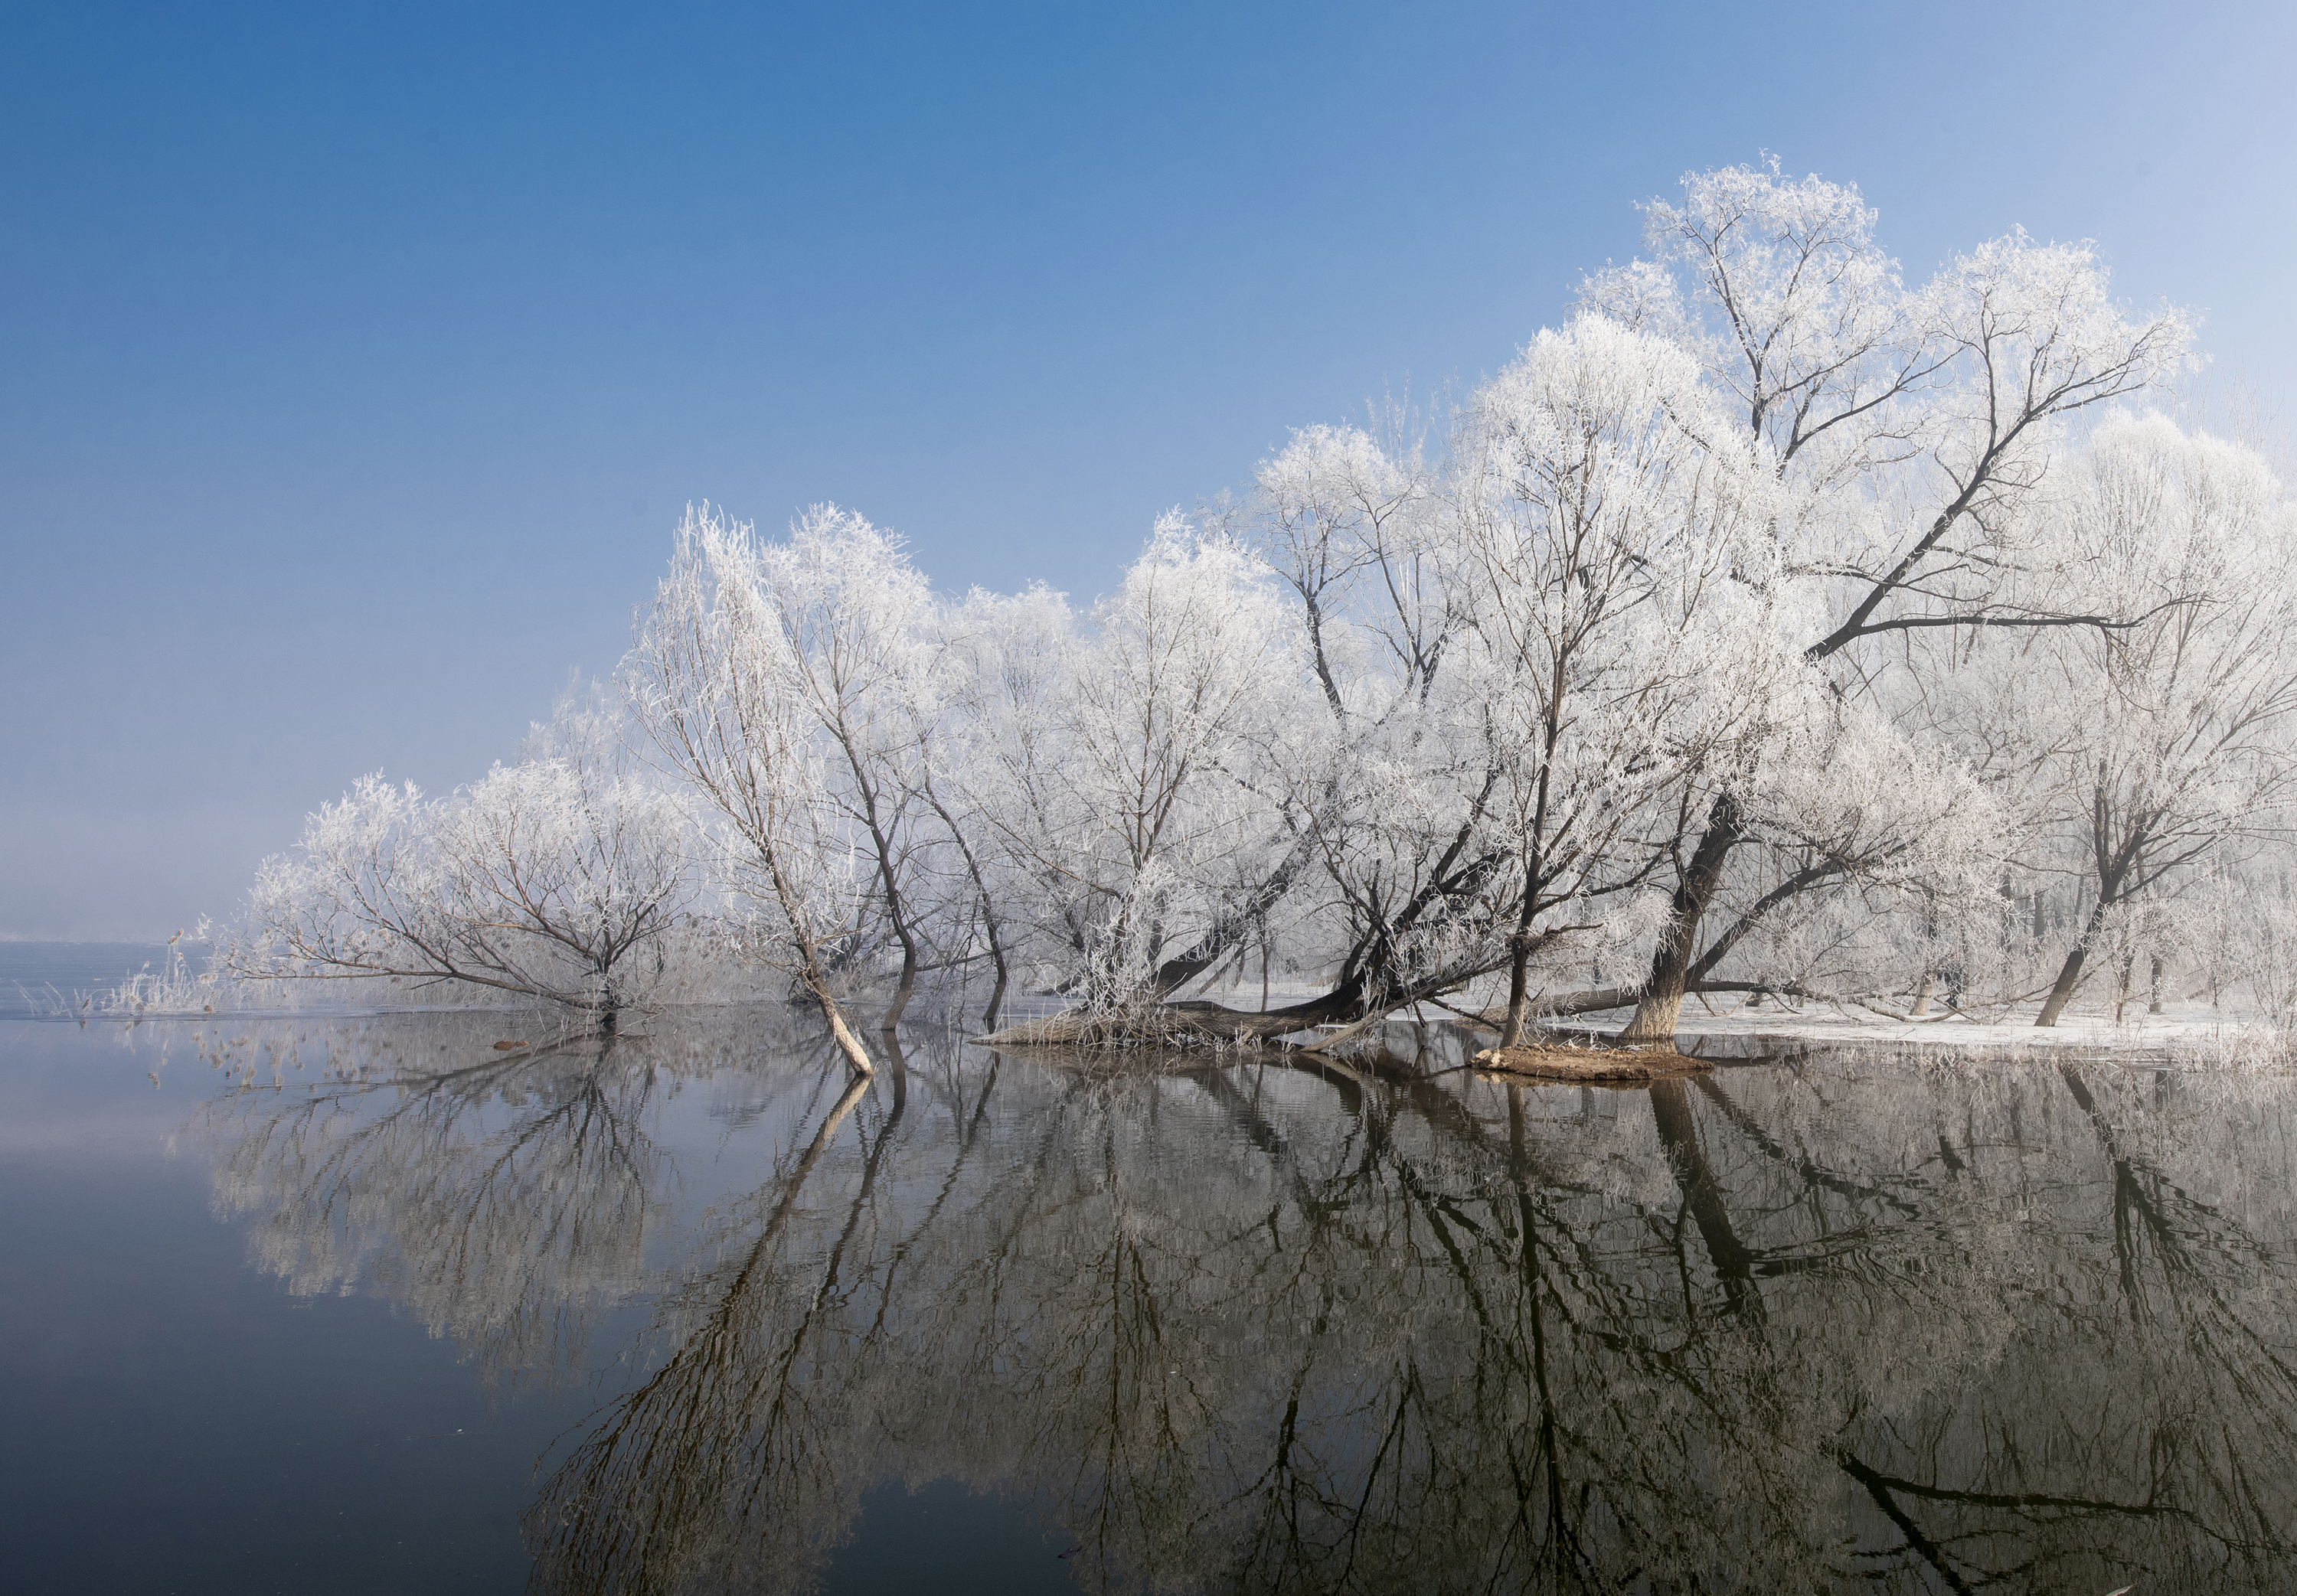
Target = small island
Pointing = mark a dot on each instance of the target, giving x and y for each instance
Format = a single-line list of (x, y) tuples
[(1589, 1065)]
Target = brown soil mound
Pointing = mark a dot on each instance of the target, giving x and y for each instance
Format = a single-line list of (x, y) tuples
[(1616, 1065)]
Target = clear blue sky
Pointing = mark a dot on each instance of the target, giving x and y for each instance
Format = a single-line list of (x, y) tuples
[(354, 363)]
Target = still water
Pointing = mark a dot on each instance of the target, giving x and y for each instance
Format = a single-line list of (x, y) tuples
[(372, 1304)]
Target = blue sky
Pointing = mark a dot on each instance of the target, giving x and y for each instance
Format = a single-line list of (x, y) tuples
[(354, 363)]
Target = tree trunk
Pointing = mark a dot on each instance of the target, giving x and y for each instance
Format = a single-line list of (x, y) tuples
[(997, 959), (908, 983), (2070, 973), (2154, 1005), (1922, 994), (889, 884), (988, 910), (810, 973), (1519, 960), (1661, 1007), (840, 1033), (2068, 978), (1519, 996), (816, 981), (1656, 1014), (897, 916)]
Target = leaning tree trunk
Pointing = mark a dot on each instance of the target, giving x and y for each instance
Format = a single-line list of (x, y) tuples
[(2070, 973), (815, 979), (840, 1033), (1660, 1009)]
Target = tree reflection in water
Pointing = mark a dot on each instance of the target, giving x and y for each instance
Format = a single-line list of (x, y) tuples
[(1242, 1326)]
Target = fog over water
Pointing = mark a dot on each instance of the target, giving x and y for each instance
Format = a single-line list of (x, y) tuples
[(703, 1308)]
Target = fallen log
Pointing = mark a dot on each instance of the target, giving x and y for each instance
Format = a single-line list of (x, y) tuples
[(1616, 1066)]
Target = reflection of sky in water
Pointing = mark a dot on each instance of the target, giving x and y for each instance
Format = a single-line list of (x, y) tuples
[(1793, 1326)]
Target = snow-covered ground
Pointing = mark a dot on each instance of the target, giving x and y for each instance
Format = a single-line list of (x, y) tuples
[(2189, 1028)]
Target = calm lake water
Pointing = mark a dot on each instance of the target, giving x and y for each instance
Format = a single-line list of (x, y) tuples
[(370, 1305)]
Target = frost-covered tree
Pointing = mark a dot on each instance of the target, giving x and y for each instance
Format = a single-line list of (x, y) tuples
[(1773, 626), (556, 877), (992, 773), (1140, 797), (1918, 425), (2181, 745), (720, 687), (1385, 795), (852, 609), (1613, 527)]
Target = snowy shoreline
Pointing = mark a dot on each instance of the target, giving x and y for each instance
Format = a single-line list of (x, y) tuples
[(2183, 1031)]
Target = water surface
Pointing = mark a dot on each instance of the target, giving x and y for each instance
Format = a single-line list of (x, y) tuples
[(343, 1305), (51, 980)]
